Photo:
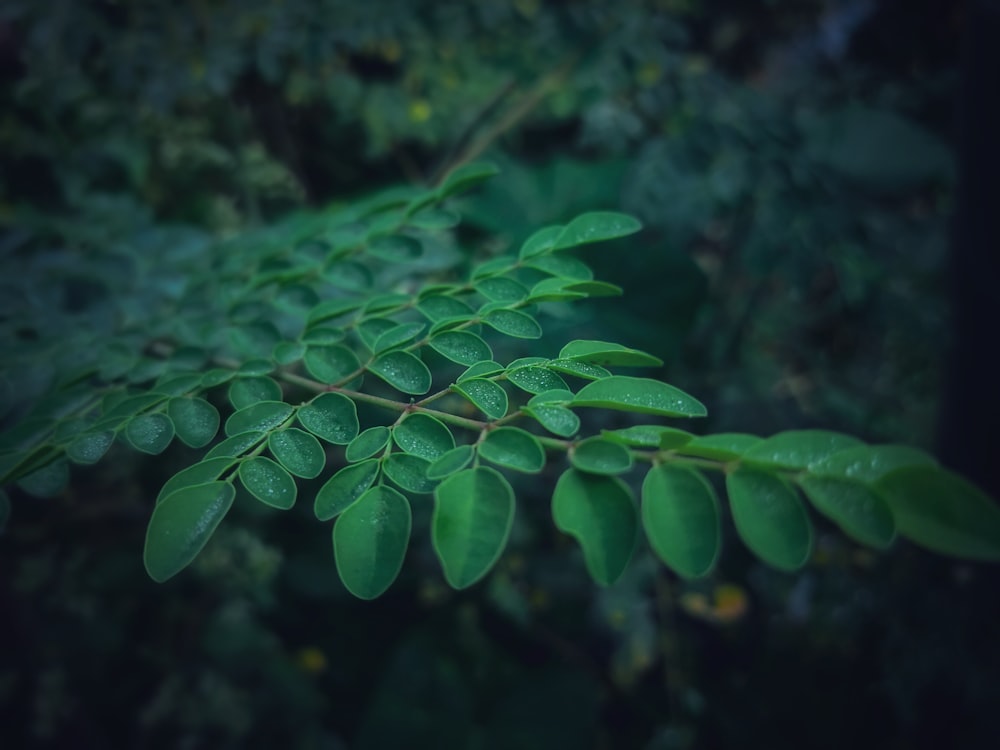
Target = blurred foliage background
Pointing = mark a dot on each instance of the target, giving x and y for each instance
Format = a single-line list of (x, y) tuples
[(792, 162)]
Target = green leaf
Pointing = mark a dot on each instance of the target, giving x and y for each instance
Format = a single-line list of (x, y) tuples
[(217, 376), (288, 352), (267, 481), (868, 463), (48, 481), (263, 416), (553, 290), (556, 419), (597, 455), (541, 242), (563, 267), (462, 347), (555, 397), (320, 336), (424, 436), (404, 333), (255, 367), (649, 436), (438, 307), (177, 384), (481, 369), (578, 369), (798, 449), (245, 392), (370, 540), (133, 405), (331, 416), (435, 218), (465, 177), (403, 371), (942, 512), (724, 446), (237, 445), (409, 472), (770, 518), (595, 288), (150, 433), (493, 267), (513, 448), (624, 393), (854, 507), (195, 420), (536, 380), (342, 489), (333, 308), (605, 353), (473, 515), (448, 463), (206, 470), (368, 443), (330, 364), (514, 323), (90, 447), (297, 451), (501, 289), (485, 395), (182, 524), (599, 513), (396, 248), (680, 514), (596, 226)]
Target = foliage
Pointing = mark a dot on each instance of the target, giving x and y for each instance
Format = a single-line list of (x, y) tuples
[(302, 323)]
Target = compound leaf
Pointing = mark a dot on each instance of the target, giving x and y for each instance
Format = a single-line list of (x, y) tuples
[(263, 416)]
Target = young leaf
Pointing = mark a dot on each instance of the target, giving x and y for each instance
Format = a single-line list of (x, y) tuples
[(297, 451), (409, 472), (605, 353), (424, 436), (854, 507), (206, 470), (473, 515), (195, 420), (150, 433), (370, 540), (556, 419), (368, 443), (331, 416), (344, 488), (643, 395), (462, 347), (268, 482), (536, 379), (770, 518), (182, 524), (90, 447), (600, 513), (680, 514), (513, 448), (448, 463), (942, 512), (599, 456), (485, 395), (724, 446), (798, 449), (329, 364), (514, 323), (263, 416), (245, 392), (596, 226), (403, 371)]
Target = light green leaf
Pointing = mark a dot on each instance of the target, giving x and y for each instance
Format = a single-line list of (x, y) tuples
[(331, 416), (501, 289), (396, 248), (473, 514), (342, 489), (680, 514), (514, 323), (267, 481), (448, 463), (297, 451), (541, 242), (868, 463), (150, 433), (261, 417), (404, 333), (90, 447), (605, 353), (597, 455), (182, 524), (329, 364), (368, 443), (536, 379), (195, 420), (485, 395), (465, 177), (461, 346), (599, 513), (236, 445), (596, 226), (649, 436), (409, 472), (556, 419), (644, 395), (578, 369), (403, 371), (245, 392), (798, 449), (206, 470), (424, 436), (481, 369), (370, 540), (513, 448), (942, 512), (770, 518), (724, 446), (854, 507), (553, 290)]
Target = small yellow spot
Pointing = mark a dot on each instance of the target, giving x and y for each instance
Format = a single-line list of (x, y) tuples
[(617, 618), (420, 110), (527, 8), (390, 50), (731, 603), (649, 74), (311, 659), (695, 604)]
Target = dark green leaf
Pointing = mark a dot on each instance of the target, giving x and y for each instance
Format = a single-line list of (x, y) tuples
[(409, 472), (854, 507), (649, 436), (329, 364), (596, 226), (501, 289), (462, 347), (320, 336), (331, 416), (868, 463), (90, 447), (133, 405), (48, 481), (448, 463), (473, 514), (514, 323), (481, 369), (600, 513), (595, 288), (333, 308), (206, 470), (344, 488), (370, 540), (555, 397), (770, 518), (182, 524), (435, 218), (288, 352), (245, 392), (237, 445), (485, 395), (513, 448), (263, 416), (255, 367), (536, 379), (798, 449), (438, 307), (605, 353), (404, 333), (297, 451), (556, 419), (424, 436), (371, 329), (368, 443), (680, 514), (195, 420), (396, 248), (579, 369), (217, 376), (403, 371), (563, 266), (177, 385), (150, 433), (541, 242), (725, 446), (465, 177), (597, 455), (268, 482), (553, 290), (643, 395)]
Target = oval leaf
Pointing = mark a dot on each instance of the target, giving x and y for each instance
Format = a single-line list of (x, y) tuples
[(798, 449), (330, 364), (868, 463), (245, 392), (297, 451), (448, 463), (90, 447), (368, 443), (150, 433), (725, 446), (556, 419), (261, 417), (403, 371), (182, 524), (424, 436), (370, 540), (514, 323), (513, 448), (331, 416), (770, 518), (462, 347), (680, 514), (486, 395), (596, 226), (236, 445), (605, 353), (196, 420), (344, 488), (644, 395), (267, 481), (536, 380), (409, 472), (854, 507), (597, 455), (206, 470)]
